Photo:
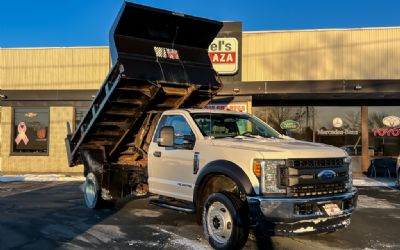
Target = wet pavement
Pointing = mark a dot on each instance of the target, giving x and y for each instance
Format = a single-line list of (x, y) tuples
[(52, 215)]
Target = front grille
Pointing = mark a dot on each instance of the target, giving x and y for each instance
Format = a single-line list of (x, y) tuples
[(317, 189), (300, 177), (316, 163)]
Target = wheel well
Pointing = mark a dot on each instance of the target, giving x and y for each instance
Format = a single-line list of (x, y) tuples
[(214, 183)]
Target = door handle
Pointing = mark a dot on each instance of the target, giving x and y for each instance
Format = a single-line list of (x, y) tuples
[(157, 154)]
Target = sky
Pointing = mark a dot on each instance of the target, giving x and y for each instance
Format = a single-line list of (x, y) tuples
[(52, 23)]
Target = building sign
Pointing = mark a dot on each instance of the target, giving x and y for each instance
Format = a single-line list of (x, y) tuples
[(392, 122), (240, 107), (337, 122), (337, 130), (290, 124), (224, 54)]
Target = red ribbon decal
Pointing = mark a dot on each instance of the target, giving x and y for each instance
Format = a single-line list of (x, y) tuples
[(21, 133)]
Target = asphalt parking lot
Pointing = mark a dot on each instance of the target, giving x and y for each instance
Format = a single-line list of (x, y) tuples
[(51, 215)]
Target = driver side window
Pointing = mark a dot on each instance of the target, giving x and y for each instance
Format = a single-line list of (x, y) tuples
[(182, 130)]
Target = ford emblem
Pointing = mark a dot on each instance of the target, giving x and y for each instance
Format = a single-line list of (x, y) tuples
[(326, 175)]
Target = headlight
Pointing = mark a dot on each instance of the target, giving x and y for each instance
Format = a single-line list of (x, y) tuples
[(269, 175), (349, 184)]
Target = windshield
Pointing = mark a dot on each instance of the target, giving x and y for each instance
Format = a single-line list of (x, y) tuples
[(232, 125)]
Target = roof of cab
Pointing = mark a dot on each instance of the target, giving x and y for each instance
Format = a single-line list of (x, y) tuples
[(215, 111)]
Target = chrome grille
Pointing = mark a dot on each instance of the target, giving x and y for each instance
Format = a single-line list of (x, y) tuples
[(300, 177), (316, 163), (317, 189)]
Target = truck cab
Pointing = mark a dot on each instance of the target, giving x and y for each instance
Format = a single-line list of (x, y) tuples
[(288, 186)]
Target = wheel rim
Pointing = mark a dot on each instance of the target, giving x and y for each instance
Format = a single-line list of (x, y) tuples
[(219, 222), (90, 193)]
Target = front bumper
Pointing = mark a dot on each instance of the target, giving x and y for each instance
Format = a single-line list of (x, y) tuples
[(293, 216)]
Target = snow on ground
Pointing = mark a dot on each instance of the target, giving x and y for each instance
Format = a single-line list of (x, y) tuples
[(176, 241), (374, 182), (40, 178), (365, 201)]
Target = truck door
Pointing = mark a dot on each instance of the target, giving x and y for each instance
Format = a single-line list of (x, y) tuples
[(171, 168)]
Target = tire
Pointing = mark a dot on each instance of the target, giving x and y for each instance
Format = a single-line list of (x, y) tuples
[(92, 193), (225, 221)]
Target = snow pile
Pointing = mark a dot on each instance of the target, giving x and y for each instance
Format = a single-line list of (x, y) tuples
[(176, 241), (40, 178), (374, 182)]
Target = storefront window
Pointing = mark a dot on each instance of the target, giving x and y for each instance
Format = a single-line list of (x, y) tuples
[(296, 122), (339, 126), (384, 130), (30, 131), (79, 114)]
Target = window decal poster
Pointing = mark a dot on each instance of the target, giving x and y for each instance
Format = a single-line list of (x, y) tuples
[(21, 134)]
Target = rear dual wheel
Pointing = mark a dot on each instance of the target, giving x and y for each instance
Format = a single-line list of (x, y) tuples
[(92, 193)]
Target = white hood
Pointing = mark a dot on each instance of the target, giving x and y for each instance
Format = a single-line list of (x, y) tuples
[(281, 148)]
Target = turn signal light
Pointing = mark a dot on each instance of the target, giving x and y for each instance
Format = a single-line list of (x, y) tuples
[(257, 168)]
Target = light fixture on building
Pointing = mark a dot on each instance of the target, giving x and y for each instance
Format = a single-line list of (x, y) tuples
[(236, 90), (358, 87), (2, 97)]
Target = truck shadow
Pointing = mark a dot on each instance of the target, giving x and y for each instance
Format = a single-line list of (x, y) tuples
[(52, 217), (55, 217), (262, 240)]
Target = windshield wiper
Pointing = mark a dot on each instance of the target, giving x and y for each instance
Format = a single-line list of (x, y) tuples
[(249, 135)]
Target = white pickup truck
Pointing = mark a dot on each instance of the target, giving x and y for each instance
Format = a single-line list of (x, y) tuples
[(238, 171), (141, 134)]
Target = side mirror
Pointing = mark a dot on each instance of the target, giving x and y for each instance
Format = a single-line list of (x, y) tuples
[(166, 137)]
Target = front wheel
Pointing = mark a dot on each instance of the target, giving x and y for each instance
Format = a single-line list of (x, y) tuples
[(92, 193), (225, 221)]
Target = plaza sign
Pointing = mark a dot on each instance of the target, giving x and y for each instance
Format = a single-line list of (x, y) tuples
[(223, 53)]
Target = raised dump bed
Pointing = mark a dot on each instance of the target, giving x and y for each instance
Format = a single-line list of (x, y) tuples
[(160, 62)]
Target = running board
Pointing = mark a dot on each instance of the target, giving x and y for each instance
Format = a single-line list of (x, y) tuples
[(161, 203)]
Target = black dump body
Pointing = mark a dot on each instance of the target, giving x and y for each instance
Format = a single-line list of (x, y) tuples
[(160, 62)]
